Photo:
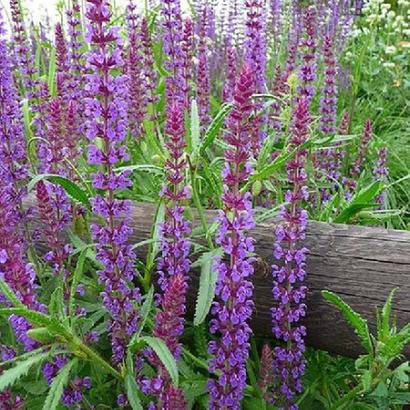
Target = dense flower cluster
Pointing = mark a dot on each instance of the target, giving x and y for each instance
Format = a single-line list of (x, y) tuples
[(10, 402), (107, 120), (150, 75), (328, 101), (276, 14), (169, 325), (255, 45), (289, 294), (173, 264), (363, 148), (172, 36), (266, 372), (73, 394), (381, 173), (233, 307), (187, 52), (175, 229), (14, 269), (231, 60), (203, 80), (75, 44), (23, 55), (136, 104), (307, 72)]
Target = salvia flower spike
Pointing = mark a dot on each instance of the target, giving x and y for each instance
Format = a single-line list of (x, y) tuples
[(233, 306), (107, 120), (288, 291)]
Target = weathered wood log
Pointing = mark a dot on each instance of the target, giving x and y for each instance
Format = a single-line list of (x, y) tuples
[(361, 264)]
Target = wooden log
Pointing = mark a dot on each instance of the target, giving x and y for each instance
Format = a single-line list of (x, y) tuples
[(360, 264)]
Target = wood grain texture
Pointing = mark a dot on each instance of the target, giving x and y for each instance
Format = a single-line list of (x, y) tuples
[(360, 264)]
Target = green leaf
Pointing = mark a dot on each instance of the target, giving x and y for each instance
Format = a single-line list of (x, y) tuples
[(76, 279), (52, 72), (155, 235), (214, 127), (164, 354), (144, 312), (269, 169), (37, 319), (195, 134), (384, 330), (363, 199), (41, 334), (71, 188), (57, 307), (132, 389), (57, 386), (152, 169), (207, 284), (10, 295), (27, 124), (12, 375), (359, 324)]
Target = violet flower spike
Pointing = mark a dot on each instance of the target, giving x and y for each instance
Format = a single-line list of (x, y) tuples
[(176, 229), (150, 75), (187, 52), (233, 306), (23, 53), (62, 62), (172, 36), (231, 62), (14, 269), (307, 71), (363, 148), (106, 110), (202, 75), (169, 326), (381, 173), (136, 104), (173, 263), (288, 291)]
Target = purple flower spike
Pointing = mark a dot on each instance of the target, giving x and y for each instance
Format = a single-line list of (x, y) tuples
[(106, 109), (23, 52), (187, 51), (10, 402), (233, 306), (231, 60), (172, 36), (173, 264), (136, 104), (203, 80), (363, 148), (328, 102), (62, 62), (14, 269), (175, 230), (381, 173), (307, 73), (288, 292), (169, 322), (150, 76), (255, 44), (169, 326), (266, 373)]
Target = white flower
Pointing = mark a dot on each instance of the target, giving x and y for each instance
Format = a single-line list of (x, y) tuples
[(390, 50), (391, 14), (388, 64)]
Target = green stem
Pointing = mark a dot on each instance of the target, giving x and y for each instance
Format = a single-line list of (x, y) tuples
[(343, 400), (96, 358), (198, 206)]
